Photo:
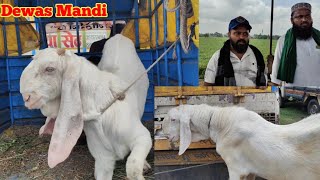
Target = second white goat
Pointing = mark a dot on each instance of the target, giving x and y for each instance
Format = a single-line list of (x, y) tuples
[(249, 144)]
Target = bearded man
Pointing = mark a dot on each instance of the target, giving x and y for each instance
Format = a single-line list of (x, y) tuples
[(297, 55), (237, 63)]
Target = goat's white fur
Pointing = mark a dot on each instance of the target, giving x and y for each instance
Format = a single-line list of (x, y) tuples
[(112, 135), (249, 144)]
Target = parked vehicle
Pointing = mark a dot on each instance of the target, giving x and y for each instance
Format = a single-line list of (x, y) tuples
[(307, 96)]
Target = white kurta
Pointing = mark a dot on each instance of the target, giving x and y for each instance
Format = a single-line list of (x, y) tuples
[(308, 63), (245, 70)]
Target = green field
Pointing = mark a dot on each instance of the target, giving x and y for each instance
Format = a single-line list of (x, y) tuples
[(210, 45), (292, 112)]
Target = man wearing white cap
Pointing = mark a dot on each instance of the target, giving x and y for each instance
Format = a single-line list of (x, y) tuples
[(297, 55)]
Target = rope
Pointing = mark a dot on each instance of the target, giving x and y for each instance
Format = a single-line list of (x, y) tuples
[(184, 37), (145, 72), (180, 169), (183, 27), (166, 3)]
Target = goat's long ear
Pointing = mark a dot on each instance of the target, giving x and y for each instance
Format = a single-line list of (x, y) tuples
[(69, 123), (185, 133)]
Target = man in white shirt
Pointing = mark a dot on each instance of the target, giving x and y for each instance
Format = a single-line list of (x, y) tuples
[(297, 55), (237, 63)]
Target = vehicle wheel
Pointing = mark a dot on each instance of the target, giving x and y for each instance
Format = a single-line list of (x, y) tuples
[(313, 106)]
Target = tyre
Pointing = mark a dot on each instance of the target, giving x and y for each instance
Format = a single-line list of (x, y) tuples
[(313, 106)]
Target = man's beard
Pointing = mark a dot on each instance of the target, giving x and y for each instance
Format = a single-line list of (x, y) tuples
[(302, 32), (240, 48)]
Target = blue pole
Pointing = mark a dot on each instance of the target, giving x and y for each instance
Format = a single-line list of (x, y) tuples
[(178, 48), (77, 30), (165, 32), (157, 43), (136, 23), (4, 32), (18, 32)]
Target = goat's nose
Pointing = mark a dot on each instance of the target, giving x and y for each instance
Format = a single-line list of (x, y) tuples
[(26, 97)]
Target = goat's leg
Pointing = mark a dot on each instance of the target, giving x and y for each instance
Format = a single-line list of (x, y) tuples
[(103, 168), (146, 167), (136, 160), (251, 177), (104, 159), (234, 175)]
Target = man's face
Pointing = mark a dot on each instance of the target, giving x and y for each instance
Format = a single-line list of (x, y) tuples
[(239, 38), (302, 23)]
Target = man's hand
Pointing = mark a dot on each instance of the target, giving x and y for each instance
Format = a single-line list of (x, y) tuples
[(262, 87), (273, 84), (208, 84)]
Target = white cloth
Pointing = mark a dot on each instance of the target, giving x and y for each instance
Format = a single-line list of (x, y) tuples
[(308, 63), (245, 70)]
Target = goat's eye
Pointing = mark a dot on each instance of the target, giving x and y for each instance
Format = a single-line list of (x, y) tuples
[(50, 69), (173, 119)]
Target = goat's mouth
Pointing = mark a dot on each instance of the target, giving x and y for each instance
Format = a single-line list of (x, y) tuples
[(173, 138), (36, 104)]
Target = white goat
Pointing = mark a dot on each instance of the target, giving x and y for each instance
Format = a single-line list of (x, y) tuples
[(249, 144), (73, 94)]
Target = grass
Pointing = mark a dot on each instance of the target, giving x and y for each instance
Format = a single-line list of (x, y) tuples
[(23, 155), (292, 112), (209, 45)]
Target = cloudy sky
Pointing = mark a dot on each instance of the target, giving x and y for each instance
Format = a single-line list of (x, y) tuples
[(215, 15)]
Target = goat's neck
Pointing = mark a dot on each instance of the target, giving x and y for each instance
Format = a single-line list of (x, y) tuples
[(219, 125), (51, 108), (200, 119), (95, 90)]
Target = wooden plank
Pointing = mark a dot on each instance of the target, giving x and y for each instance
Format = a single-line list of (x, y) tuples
[(198, 156), (17, 100), (20, 61), (22, 113), (3, 87), (291, 91), (32, 121), (4, 116), (15, 85), (205, 90), (4, 102), (212, 171), (15, 72), (164, 144), (2, 63), (3, 74)]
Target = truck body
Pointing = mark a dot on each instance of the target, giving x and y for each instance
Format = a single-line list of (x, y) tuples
[(151, 28), (262, 101)]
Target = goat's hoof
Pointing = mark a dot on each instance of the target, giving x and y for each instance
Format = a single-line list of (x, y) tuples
[(146, 167), (136, 178)]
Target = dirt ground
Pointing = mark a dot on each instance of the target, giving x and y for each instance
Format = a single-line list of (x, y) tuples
[(23, 156)]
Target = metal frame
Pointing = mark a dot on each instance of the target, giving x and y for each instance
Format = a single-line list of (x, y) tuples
[(147, 56)]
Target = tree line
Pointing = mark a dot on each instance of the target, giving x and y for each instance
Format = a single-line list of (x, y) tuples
[(255, 36)]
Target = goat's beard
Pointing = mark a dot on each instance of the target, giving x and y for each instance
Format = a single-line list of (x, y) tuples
[(302, 32), (239, 48)]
